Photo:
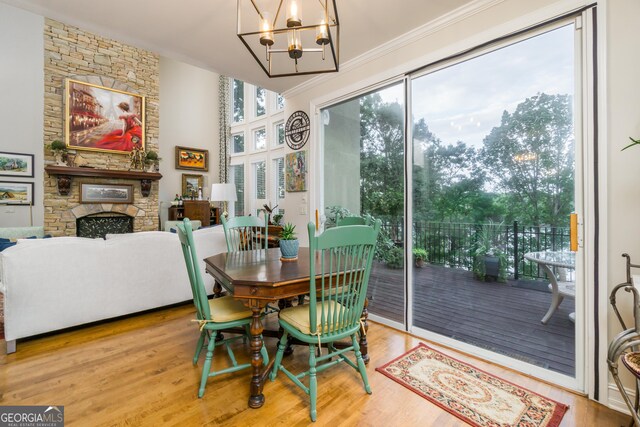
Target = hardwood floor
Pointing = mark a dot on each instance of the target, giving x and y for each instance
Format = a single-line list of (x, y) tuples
[(138, 371)]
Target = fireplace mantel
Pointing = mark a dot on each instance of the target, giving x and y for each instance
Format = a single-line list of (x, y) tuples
[(64, 174)]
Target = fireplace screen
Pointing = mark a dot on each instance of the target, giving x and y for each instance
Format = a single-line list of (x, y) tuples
[(100, 226)]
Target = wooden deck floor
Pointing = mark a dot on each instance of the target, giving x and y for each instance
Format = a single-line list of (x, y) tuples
[(502, 317)]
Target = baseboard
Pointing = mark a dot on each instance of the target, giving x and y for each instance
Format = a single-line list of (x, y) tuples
[(616, 402)]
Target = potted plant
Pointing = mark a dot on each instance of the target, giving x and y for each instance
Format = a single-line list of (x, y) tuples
[(151, 159), (489, 258), (395, 257), (276, 219), (288, 243), (59, 149), (419, 257)]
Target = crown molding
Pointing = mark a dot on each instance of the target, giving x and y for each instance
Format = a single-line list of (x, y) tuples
[(412, 36)]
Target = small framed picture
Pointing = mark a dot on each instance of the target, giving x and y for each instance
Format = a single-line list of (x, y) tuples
[(192, 159), (106, 193), (16, 193), (16, 164), (190, 184)]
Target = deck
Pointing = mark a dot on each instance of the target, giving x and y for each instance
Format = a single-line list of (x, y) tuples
[(502, 317)]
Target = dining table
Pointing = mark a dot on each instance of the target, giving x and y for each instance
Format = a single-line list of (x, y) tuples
[(259, 277), (560, 287)]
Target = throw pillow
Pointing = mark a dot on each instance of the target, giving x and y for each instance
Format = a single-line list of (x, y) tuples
[(5, 245)]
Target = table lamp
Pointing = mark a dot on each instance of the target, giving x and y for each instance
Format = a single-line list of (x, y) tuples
[(223, 193)]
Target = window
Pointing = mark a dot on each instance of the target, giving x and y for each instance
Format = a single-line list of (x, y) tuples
[(279, 134), (256, 147), (278, 179), (237, 100), (237, 143), (237, 178), (260, 179), (260, 139), (261, 101)]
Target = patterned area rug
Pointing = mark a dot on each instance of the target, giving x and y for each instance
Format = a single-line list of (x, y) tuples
[(470, 394)]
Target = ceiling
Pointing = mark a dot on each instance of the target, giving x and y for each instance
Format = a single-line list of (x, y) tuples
[(203, 32)]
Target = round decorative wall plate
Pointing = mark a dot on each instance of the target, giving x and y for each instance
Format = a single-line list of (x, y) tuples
[(297, 129)]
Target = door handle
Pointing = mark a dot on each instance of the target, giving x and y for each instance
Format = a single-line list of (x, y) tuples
[(573, 232)]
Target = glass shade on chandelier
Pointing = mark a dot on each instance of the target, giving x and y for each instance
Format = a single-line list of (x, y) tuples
[(285, 41)]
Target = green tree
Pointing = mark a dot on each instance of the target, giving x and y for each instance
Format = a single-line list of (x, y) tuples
[(529, 159), (381, 157)]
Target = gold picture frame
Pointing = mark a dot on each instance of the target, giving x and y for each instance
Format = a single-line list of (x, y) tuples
[(196, 159), (98, 118), (190, 184)]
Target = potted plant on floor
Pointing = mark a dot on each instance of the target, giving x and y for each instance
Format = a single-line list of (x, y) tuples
[(288, 243), (420, 257), (489, 257)]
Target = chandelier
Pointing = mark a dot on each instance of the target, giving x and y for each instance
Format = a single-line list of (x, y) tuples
[(286, 42)]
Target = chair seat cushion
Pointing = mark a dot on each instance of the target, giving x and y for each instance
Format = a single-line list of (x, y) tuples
[(632, 362), (298, 316), (227, 309)]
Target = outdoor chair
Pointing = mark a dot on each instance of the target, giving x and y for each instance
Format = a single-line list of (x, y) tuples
[(213, 315), (336, 300)]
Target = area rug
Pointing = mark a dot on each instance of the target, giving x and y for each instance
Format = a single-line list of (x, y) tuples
[(474, 396)]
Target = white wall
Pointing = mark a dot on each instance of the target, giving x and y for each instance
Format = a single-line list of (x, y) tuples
[(188, 118), (21, 106)]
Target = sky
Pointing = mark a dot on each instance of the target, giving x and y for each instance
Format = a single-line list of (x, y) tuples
[(465, 101)]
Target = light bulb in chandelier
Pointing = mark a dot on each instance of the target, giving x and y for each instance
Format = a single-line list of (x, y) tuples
[(266, 29), (294, 45), (294, 14)]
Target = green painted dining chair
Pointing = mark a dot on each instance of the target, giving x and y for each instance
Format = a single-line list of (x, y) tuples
[(336, 300), (350, 220), (213, 315), (245, 233)]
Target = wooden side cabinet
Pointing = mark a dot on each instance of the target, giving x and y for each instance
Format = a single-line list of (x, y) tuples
[(196, 209)]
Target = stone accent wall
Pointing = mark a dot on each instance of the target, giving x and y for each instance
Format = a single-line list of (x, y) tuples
[(70, 52)]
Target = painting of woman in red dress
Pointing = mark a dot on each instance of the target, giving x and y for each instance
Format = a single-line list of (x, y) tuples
[(103, 119), (126, 138)]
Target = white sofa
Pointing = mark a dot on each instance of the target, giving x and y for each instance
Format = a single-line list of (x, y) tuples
[(51, 284)]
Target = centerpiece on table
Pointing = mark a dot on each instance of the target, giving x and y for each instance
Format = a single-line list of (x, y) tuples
[(288, 243)]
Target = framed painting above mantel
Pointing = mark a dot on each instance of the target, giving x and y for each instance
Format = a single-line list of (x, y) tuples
[(99, 118)]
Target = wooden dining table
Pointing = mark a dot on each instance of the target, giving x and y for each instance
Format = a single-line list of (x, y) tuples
[(259, 277)]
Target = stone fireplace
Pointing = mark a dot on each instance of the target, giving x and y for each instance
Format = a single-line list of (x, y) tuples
[(71, 52)]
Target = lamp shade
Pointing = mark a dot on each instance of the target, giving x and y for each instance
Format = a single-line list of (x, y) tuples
[(223, 193)]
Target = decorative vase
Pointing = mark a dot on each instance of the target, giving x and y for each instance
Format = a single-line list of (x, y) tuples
[(58, 155), (289, 250), (151, 167)]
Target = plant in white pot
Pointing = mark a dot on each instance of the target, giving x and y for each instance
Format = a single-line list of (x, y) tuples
[(59, 149), (288, 243)]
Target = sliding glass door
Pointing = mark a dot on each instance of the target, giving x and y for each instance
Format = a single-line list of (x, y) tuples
[(363, 154), (493, 182), (492, 164)]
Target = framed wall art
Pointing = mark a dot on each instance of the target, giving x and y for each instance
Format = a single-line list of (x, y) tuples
[(16, 193), (106, 193), (99, 118), (192, 159), (16, 164), (190, 184), (296, 171)]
